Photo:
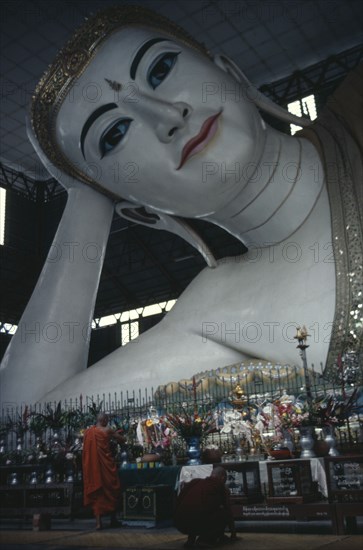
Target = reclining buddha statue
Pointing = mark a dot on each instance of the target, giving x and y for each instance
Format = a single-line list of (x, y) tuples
[(133, 90)]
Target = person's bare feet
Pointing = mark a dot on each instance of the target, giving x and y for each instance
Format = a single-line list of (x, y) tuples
[(190, 542), (98, 523)]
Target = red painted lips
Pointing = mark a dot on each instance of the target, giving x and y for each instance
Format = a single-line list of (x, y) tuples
[(197, 143)]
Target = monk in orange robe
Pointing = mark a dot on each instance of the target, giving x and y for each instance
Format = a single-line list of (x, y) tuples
[(101, 484)]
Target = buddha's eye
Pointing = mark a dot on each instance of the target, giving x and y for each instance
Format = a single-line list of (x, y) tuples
[(112, 136), (160, 68)]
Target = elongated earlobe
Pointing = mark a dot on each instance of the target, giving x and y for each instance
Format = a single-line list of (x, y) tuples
[(254, 95)]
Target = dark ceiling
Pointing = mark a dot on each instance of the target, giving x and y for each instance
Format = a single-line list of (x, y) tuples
[(275, 42)]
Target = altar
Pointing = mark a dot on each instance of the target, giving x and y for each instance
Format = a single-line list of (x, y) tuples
[(318, 475), (329, 488)]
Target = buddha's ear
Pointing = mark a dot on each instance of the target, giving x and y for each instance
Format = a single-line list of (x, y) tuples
[(254, 95), (158, 220)]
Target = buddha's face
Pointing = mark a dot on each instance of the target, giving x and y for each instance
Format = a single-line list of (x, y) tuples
[(159, 124)]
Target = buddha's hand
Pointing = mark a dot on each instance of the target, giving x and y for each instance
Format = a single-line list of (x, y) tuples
[(64, 179)]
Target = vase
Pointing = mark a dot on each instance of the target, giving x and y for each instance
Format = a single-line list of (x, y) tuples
[(307, 441), (193, 450), (330, 439), (239, 453), (287, 441), (33, 478), (69, 476), (14, 479), (124, 461), (49, 475), (55, 440)]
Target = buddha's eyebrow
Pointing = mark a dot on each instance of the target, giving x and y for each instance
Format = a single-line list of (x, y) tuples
[(92, 118), (141, 52)]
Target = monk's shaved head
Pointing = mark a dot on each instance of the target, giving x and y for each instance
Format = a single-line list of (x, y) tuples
[(102, 419), (220, 473)]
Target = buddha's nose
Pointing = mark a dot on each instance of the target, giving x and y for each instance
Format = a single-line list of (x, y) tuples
[(165, 117), (172, 122)]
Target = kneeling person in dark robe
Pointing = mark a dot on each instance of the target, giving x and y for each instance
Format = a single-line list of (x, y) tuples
[(203, 510)]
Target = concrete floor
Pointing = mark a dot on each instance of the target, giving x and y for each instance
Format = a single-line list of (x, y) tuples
[(81, 535)]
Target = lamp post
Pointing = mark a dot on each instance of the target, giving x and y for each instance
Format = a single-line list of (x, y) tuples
[(301, 337)]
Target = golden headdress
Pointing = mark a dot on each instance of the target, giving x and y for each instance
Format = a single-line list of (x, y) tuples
[(72, 61)]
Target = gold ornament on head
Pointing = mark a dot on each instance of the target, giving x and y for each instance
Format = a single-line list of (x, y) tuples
[(72, 61)]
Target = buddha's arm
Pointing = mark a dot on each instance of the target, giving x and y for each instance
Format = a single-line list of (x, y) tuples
[(52, 339)]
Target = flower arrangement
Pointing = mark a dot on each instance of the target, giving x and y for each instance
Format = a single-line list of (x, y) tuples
[(235, 424), (332, 410), (288, 416), (186, 424), (156, 433)]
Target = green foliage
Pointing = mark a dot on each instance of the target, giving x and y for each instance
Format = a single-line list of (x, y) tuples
[(54, 417), (74, 420), (19, 423), (5, 428), (37, 424)]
